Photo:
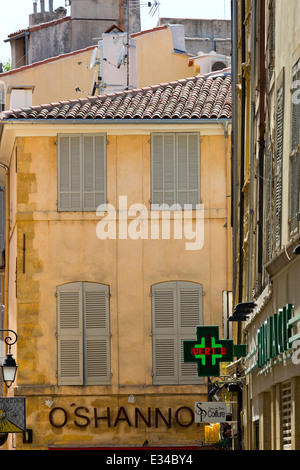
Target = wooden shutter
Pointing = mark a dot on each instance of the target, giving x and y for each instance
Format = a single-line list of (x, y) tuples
[(188, 169), (279, 154), (81, 172), (163, 169), (295, 158), (268, 207), (190, 315), (286, 414), (175, 169), (96, 334), (69, 171), (94, 171), (164, 330), (176, 312), (70, 353)]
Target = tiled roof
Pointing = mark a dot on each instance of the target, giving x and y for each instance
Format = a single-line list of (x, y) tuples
[(195, 97)]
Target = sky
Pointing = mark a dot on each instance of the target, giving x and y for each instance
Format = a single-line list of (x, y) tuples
[(14, 15)]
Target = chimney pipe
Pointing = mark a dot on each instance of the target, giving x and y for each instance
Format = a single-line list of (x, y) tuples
[(42, 3), (34, 6), (50, 5)]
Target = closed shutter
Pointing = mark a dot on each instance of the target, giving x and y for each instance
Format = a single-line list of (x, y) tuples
[(94, 171), (286, 415), (268, 207), (175, 169), (70, 353), (83, 334), (188, 175), (163, 169), (81, 172), (279, 154), (177, 311), (165, 353), (295, 157), (189, 303), (294, 191), (96, 336), (69, 170)]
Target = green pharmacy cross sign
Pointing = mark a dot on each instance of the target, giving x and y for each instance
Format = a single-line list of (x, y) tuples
[(208, 351)]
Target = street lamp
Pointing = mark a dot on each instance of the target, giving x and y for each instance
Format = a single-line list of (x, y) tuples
[(9, 366)]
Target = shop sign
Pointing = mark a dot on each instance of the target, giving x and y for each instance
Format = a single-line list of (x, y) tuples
[(273, 337), (83, 417), (208, 351), (12, 415), (210, 412)]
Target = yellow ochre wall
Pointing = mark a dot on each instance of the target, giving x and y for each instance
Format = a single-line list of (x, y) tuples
[(62, 247), (156, 60)]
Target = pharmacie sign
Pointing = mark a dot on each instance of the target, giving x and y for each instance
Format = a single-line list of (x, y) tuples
[(208, 350), (275, 335)]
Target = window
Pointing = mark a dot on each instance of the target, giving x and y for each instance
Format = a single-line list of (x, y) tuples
[(81, 172), (83, 334), (175, 169), (295, 152), (176, 312)]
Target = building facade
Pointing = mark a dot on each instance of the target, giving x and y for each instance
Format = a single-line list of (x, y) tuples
[(118, 246), (266, 266)]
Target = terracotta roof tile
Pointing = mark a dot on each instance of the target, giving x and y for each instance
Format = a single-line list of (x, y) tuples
[(192, 98)]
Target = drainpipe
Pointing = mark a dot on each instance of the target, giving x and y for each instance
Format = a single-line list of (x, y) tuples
[(234, 163), (252, 117), (261, 142)]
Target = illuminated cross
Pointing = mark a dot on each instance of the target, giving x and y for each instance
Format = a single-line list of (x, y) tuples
[(208, 351)]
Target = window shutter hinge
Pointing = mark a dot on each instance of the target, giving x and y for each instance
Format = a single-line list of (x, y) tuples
[(56, 294)]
